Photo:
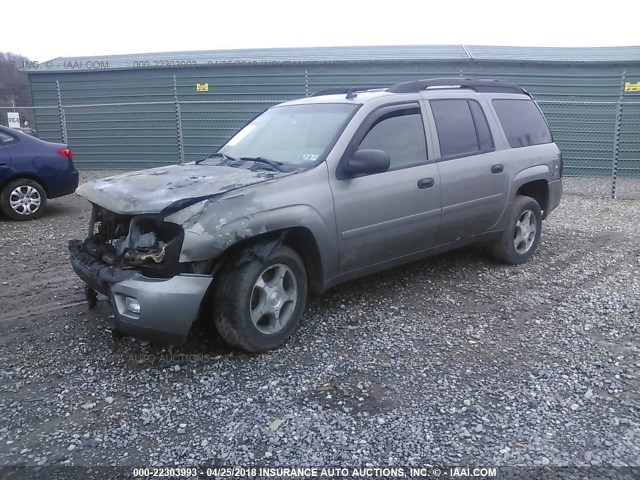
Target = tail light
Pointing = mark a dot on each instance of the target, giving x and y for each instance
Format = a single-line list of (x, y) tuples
[(65, 152)]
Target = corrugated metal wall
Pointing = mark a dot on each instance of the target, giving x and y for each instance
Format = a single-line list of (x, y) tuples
[(579, 101), (629, 161), (138, 127)]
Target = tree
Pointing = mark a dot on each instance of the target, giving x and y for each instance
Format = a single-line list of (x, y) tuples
[(14, 86)]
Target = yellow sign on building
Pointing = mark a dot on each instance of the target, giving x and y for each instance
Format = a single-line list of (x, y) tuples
[(632, 87), (202, 87)]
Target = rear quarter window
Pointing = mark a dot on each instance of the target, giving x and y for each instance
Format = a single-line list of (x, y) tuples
[(522, 122), (6, 138)]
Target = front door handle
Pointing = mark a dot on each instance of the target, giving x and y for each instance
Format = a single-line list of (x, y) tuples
[(497, 168), (425, 183)]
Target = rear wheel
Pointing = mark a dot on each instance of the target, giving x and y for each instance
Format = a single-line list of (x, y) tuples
[(258, 304), (23, 199), (522, 235)]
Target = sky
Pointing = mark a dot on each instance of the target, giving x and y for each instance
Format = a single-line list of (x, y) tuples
[(68, 28)]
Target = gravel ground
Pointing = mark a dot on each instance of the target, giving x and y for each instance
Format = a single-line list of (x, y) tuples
[(453, 360), (626, 188)]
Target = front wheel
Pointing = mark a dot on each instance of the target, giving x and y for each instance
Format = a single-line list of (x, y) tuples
[(23, 199), (522, 235), (258, 304)]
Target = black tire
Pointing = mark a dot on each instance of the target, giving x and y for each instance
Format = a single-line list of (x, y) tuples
[(234, 292), (25, 183), (505, 249)]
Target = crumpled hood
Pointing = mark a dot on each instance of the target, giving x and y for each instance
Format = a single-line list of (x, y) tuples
[(153, 190)]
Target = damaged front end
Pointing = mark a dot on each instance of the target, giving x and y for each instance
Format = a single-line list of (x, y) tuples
[(144, 243), (134, 261), (155, 239)]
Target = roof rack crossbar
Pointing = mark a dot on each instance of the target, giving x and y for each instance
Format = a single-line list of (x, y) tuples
[(493, 86)]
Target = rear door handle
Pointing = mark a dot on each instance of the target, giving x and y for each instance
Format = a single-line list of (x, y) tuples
[(497, 168), (425, 183)]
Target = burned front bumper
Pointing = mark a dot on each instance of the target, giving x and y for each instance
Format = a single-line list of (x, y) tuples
[(159, 309)]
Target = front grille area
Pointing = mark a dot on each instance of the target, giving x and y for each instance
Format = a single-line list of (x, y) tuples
[(141, 242)]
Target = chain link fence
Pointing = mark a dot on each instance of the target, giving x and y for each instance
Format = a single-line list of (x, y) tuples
[(120, 136), (585, 132), (628, 168), (598, 139)]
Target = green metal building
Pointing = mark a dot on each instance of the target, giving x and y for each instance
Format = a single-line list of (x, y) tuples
[(137, 111)]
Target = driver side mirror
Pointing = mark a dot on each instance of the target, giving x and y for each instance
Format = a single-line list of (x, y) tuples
[(366, 162)]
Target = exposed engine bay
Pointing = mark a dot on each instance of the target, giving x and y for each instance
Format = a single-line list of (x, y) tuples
[(134, 242)]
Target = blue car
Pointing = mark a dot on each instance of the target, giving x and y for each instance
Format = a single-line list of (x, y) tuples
[(32, 171)]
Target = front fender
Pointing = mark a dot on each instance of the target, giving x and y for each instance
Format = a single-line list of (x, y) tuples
[(214, 225)]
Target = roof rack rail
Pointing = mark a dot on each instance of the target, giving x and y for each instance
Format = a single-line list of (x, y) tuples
[(342, 91), (478, 85)]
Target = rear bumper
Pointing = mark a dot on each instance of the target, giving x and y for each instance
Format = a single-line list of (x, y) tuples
[(63, 184), (555, 193), (168, 306)]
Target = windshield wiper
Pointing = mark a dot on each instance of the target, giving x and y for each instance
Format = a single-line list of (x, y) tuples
[(217, 155), (226, 158), (272, 163)]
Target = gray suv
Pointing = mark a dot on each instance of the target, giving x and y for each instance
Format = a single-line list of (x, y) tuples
[(315, 192)]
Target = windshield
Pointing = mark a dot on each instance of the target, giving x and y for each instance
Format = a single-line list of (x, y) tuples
[(295, 135)]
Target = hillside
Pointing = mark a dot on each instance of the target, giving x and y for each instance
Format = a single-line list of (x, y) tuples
[(14, 86)]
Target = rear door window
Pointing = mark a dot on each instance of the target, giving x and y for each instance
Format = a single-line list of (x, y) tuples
[(522, 122), (462, 127), (485, 140)]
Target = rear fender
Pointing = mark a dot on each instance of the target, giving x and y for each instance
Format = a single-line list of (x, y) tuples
[(530, 174)]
